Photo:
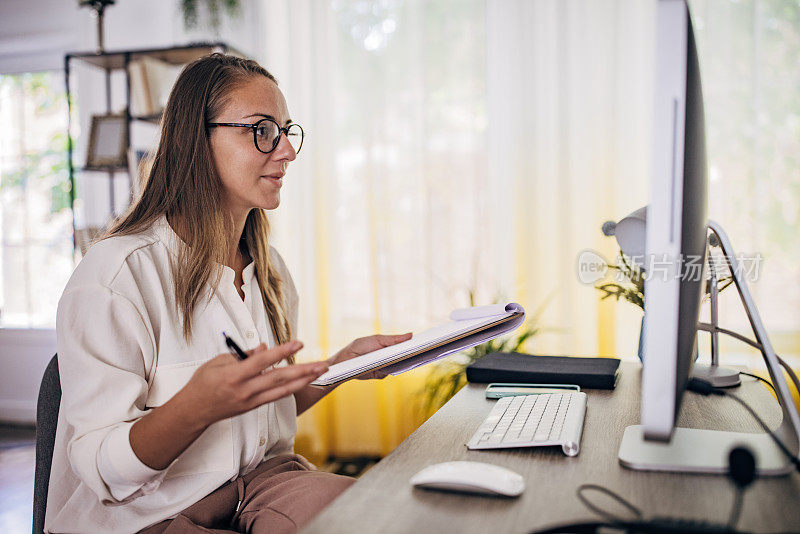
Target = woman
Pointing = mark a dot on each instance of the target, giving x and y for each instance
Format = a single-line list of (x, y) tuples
[(161, 429)]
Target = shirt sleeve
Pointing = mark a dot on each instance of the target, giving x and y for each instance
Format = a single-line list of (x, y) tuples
[(105, 350)]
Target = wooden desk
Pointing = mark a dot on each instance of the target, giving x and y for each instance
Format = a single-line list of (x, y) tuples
[(383, 501)]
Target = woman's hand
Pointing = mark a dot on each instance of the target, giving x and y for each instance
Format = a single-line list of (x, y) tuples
[(308, 396), (225, 387), (220, 388), (365, 345)]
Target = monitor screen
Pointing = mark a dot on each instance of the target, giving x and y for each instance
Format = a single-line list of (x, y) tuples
[(677, 223)]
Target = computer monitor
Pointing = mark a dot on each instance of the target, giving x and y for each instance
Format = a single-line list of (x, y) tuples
[(677, 222), (675, 262)]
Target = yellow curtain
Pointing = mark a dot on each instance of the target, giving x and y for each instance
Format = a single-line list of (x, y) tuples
[(362, 418)]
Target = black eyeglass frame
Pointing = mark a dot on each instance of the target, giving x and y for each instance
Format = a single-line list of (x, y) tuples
[(254, 127)]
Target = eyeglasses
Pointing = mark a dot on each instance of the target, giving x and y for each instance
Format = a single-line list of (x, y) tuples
[(267, 134)]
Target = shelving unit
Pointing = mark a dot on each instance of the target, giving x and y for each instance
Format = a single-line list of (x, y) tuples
[(121, 60)]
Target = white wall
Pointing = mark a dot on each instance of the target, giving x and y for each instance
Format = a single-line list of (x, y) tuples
[(35, 35), (24, 354)]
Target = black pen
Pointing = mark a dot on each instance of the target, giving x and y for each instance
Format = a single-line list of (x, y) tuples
[(234, 348)]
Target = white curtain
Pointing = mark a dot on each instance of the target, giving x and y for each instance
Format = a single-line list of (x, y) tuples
[(569, 85), (475, 145), (454, 147), (383, 215), (384, 210)]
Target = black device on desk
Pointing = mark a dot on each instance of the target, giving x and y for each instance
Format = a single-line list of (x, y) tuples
[(516, 367)]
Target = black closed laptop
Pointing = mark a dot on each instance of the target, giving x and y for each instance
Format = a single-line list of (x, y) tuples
[(515, 367)]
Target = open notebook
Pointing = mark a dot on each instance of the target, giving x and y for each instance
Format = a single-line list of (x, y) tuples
[(467, 327)]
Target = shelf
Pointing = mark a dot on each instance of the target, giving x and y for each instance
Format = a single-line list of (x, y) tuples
[(154, 118), (115, 60), (120, 60), (103, 168)]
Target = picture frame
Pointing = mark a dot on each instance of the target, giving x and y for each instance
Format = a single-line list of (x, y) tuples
[(108, 142), (140, 162)]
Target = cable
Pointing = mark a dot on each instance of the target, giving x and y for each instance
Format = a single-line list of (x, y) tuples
[(767, 382), (703, 387), (653, 526), (736, 510), (760, 347), (778, 442), (576, 528), (740, 461), (615, 496), (741, 470), (755, 344)]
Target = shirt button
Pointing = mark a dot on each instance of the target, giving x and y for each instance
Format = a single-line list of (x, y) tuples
[(262, 441), (250, 334)]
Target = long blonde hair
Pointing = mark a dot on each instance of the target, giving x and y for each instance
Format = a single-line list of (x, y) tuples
[(183, 183)]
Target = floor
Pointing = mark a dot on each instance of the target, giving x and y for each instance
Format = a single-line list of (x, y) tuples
[(17, 462)]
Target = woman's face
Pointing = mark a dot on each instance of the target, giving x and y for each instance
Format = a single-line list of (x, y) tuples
[(251, 179)]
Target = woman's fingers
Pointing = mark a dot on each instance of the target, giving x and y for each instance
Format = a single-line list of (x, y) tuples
[(399, 338), (259, 348), (282, 375), (284, 390), (389, 340), (261, 357), (278, 383)]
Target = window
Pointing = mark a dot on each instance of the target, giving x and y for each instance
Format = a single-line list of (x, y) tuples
[(410, 158), (36, 256), (748, 57)]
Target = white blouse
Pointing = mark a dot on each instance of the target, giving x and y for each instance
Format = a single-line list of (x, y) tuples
[(121, 351)]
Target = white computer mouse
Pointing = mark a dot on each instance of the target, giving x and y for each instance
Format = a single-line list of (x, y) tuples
[(470, 477)]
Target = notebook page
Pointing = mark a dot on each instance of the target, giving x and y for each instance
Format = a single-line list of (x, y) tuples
[(422, 340)]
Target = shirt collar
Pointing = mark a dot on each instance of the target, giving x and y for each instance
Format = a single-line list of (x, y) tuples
[(164, 232)]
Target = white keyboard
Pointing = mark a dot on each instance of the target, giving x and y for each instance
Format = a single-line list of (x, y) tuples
[(534, 421)]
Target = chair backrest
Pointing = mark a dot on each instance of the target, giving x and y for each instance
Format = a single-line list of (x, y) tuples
[(46, 421)]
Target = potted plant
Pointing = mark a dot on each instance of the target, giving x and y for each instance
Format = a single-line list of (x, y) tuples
[(629, 286), (213, 8)]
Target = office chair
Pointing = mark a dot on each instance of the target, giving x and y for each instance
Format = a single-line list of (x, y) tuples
[(46, 421)]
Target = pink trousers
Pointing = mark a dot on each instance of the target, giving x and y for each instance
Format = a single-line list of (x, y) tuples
[(281, 495)]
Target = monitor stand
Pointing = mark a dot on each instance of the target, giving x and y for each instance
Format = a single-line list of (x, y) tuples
[(706, 451), (719, 377), (694, 450)]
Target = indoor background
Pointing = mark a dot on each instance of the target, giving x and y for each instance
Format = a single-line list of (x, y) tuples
[(455, 150)]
